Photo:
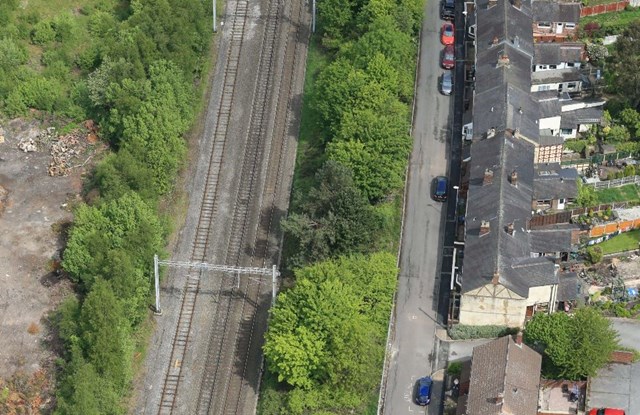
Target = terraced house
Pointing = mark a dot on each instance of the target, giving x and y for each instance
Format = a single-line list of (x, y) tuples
[(511, 269)]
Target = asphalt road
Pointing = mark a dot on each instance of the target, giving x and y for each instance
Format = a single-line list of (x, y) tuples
[(412, 352)]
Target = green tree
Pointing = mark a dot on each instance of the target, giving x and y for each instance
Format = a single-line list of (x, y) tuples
[(626, 61), (106, 336), (586, 195), (335, 219), (631, 119), (617, 133), (573, 347), (126, 224), (594, 253), (326, 336)]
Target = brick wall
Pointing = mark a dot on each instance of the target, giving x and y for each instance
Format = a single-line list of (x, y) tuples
[(603, 8)]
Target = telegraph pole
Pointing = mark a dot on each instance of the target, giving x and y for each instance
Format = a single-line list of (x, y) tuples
[(313, 16)]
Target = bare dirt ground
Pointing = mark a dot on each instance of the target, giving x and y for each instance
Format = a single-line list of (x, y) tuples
[(34, 209)]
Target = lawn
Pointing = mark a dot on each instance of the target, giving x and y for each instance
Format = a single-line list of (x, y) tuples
[(623, 242), (628, 193), (614, 22)]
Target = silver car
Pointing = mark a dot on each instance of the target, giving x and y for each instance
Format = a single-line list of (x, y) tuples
[(446, 83)]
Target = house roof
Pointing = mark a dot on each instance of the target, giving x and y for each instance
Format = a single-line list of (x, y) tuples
[(556, 75), (556, 53), (502, 205), (506, 369), (570, 287), (551, 240), (555, 11), (551, 181), (571, 119), (550, 107), (505, 133)]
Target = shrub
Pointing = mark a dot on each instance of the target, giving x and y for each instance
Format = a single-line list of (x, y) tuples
[(43, 33), (40, 93), (594, 254), (454, 369), (464, 332), (591, 28)]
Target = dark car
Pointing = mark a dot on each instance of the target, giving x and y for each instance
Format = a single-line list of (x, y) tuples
[(446, 83), (423, 391), (448, 57), (440, 188), (447, 10)]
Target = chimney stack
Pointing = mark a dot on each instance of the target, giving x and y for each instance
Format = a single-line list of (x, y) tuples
[(485, 227), (503, 60), (492, 3), (495, 41), (500, 398), (510, 229), (519, 338), (517, 4), (488, 177), (514, 178), (496, 278)]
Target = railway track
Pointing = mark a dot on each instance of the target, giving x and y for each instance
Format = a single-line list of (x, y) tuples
[(207, 212), (233, 354)]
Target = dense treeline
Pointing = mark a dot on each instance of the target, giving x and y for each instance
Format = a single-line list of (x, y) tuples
[(325, 344), (133, 66)]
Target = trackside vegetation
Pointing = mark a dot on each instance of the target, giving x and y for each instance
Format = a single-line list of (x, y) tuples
[(325, 345), (135, 67)]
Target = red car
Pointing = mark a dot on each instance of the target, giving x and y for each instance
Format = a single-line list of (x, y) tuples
[(606, 411), (447, 34), (448, 57)]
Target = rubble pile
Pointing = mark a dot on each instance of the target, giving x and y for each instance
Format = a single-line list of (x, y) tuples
[(65, 150)]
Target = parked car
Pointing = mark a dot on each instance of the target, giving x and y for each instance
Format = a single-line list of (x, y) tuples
[(447, 34), (447, 10), (448, 57), (446, 83), (440, 188), (423, 391), (606, 411)]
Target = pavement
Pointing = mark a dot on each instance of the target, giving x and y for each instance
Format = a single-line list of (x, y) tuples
[(419, 311), (618, 385)]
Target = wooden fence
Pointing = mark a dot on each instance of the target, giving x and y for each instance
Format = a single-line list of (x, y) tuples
[(603, 8), (540, 221)]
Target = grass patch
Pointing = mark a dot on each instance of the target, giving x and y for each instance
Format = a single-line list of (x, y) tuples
[(623, 242), (628, 193), (614, 22), (310, 153)]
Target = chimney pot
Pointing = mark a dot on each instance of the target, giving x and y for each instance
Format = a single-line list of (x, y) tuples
[(510, 229), (488, 177), (496, 278), (514, 178), (519, 338), (495, 40), (499, 398), (485, 227), (503, 60)]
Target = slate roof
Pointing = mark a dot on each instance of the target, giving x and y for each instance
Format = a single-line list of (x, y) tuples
[(511, 113), (551, 240), (557, 75), (551, 181), (570, 287), (571, 119), (555, 53), (555, 11), (550, 107), (504, 367)]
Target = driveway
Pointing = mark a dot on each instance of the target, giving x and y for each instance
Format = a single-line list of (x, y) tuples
[(412, 351)]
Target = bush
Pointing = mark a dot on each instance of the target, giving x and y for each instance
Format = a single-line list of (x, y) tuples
[(454, 369), (43, 32), (464, 332), (39, 93), (594, 254)]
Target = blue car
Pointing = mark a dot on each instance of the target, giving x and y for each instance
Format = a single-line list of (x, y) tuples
[(440, 188), (423, 391)]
